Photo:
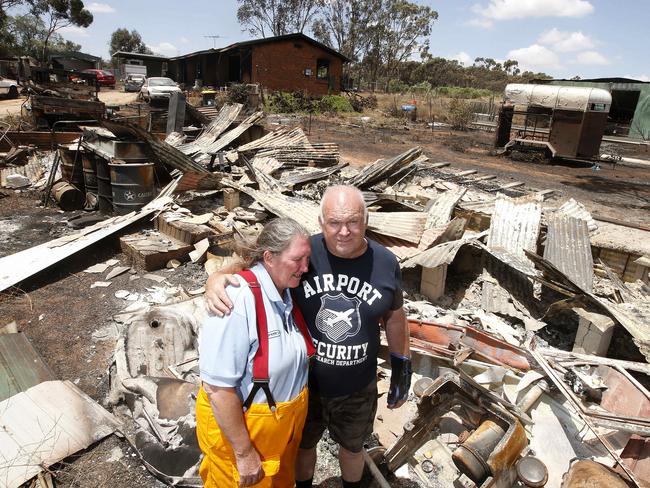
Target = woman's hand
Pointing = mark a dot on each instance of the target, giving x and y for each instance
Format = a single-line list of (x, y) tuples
[(249, 466)]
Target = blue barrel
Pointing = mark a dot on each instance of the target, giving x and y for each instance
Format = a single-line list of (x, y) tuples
[(132, 185)]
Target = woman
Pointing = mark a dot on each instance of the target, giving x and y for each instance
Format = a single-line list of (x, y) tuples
[(252, 406)]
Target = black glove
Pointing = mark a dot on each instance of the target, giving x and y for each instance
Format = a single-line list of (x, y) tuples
[(400, 378)]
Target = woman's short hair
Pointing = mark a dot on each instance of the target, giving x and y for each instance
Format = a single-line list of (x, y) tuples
[(276, 236)]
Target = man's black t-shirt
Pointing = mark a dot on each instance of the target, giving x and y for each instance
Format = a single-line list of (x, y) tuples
[(343, 301)]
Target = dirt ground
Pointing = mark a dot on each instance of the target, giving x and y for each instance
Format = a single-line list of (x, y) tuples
[(65, 318), (619, 191)]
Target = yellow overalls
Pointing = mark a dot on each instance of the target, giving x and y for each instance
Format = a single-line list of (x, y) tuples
[(275, 435)]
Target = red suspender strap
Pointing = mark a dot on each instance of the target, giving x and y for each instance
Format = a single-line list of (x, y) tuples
[(261, 359), (302, 326)]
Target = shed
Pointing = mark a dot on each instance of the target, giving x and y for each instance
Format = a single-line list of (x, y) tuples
[(629, 114), (74, 61)]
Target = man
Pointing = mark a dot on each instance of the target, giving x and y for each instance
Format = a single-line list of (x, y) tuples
[(352, 285)]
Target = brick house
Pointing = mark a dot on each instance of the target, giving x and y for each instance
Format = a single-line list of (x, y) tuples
[(289, 62)]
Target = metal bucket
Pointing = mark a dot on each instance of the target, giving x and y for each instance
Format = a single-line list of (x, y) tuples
[(89, 162), (72, 171), (104, 191), (133, 186)]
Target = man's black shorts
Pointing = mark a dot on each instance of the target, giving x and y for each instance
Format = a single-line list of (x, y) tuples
[(349, 418)]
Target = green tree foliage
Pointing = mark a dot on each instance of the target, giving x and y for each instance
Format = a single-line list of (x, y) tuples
[(404, 30), (27, 34), (57, 14), (346, 25), (276, 17), (378, 35), (130, 42), (483, 74)]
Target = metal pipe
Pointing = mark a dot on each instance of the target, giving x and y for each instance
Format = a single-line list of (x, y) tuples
[(374, 470)]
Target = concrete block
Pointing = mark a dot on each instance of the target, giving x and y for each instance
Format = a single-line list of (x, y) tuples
[(432, 284), (593, 339)]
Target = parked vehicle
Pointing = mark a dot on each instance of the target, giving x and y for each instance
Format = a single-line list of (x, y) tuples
[(158, 88), (133, 69), (8, 88), (133, 83), (104, 78)]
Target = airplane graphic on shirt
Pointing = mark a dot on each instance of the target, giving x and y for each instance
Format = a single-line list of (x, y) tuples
[(340, 316)]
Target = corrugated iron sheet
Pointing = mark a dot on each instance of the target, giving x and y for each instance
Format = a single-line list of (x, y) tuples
[(514, 228), (45, 424), (282, 137), (407, 226), (311, 154), (230, 136), (401, 249), (572, 208), (515, 224), (34, 170), (21, 367), (568, 248), (221, 122), (383, 168), (442, 208), (304, 175), (304, 211), (633, 316), (438, 255), (266, 164), (164, 153)]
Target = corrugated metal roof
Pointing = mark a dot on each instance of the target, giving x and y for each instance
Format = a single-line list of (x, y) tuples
[(266, 164), (304, 211), (633, 316), (164, 152), (515, 224), (401, 249), (441, 254), (281, 137), (21, 367), (442, 208), (407, 226), (569, 249), (381, 169), (222, 121), (514, 227), (230, 136), (575, 209), (304, 175), (45, 424)]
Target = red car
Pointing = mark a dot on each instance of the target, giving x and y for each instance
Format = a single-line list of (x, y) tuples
[(104, 78)]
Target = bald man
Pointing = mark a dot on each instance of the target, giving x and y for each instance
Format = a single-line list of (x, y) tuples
[(352, 286)]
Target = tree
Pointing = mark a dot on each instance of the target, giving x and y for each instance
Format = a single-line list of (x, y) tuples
[(6, 39), (276, 17), (403, 30), (346, 25), (57, 14), (131, 42), (28, 33), (511, 67)]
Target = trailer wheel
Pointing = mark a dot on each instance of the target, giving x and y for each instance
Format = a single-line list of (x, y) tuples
[(13, 92)]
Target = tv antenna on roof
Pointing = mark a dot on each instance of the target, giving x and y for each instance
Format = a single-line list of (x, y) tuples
[(214, 40)]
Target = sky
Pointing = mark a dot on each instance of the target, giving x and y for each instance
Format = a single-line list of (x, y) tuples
[(564, 38)]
